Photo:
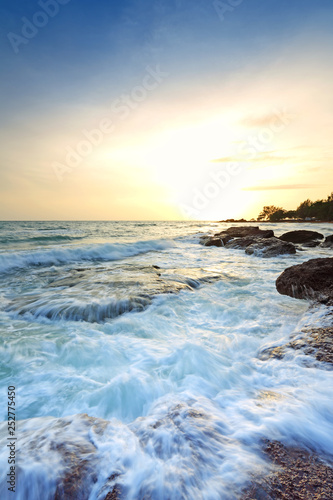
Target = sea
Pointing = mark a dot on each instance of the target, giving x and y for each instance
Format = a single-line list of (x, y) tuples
[(135, 357)]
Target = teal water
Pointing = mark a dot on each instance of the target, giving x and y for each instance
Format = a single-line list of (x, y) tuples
[(137, 347)]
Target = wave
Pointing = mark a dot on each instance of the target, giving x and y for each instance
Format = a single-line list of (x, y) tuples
[(74, 310), (40, 239), (60, 256)]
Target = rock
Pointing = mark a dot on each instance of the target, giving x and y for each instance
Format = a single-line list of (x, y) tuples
[(328, 243), (218, 240), (213, 242), (298, 474), (302, 236), (225, 237), (311, 244), (263, 247), (243, 231), (316, 342), (241, 242), (311, 280), (272, 352), (269, 247)]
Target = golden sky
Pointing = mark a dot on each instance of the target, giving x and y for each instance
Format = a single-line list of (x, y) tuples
[(169, 140)]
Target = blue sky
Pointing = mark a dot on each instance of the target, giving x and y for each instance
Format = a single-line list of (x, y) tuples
[(71, 70)]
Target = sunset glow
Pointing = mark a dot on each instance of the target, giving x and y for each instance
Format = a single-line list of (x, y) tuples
[(89, 137)]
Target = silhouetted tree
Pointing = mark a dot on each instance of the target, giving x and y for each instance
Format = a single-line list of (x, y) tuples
[(267, 211), (278, 215), (320, 209)]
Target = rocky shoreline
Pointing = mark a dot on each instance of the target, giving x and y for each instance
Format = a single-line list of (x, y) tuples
[(263, 243), (297, 473)]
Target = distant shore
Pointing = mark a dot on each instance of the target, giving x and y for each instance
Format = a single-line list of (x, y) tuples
[(242, 221)]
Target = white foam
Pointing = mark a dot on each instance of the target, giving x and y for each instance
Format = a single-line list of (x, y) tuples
[(178, 396), (71, 254)]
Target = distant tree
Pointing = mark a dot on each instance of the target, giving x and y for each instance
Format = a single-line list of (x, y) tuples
[(268, 211), (290, 214), (320, 210), (304, 209), (278, 215)]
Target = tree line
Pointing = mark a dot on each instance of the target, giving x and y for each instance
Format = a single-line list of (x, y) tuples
[(315, 210)]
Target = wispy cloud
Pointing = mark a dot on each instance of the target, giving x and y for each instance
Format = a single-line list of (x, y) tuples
[(269, 156), (259, 121)]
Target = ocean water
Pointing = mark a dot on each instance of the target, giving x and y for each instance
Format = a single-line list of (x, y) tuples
[(134, 352)]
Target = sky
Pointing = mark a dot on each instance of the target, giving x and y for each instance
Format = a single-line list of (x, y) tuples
[(164, 110)]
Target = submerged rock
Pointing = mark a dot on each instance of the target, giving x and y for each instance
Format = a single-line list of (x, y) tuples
[(262, 247), (97, 296), (328, 243), (316, 342), (270, 247), (298, 474), (302, 236), (218, 240), (311, 280), (241, 242)]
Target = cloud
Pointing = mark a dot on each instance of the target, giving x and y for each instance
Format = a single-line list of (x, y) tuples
[(280, 187), (259, 121), (225, 159), (269, 156)]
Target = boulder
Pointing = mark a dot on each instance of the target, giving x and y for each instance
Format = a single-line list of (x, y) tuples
[(262, 247), (328, 243), (218, 240), (224, 237), (243, 231), (241, 242), (269, 247), (302, 236), (311, 280), (213, 242)]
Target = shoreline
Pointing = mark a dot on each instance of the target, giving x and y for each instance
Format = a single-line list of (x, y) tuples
[(229, 221)]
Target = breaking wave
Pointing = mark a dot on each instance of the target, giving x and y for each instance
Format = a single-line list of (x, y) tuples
[(59, 256)]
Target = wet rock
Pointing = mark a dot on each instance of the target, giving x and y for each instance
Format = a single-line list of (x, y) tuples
[(316, 342), (272, 352), (255, 241), (243, 231), (213, 242), (223, 236), (66, 462), (311, 280), (115, 494), (270, 247), (303, 237), (120, 291), (298, 474), (241, 242), (328, 243), (218, 240), (80, 476)]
